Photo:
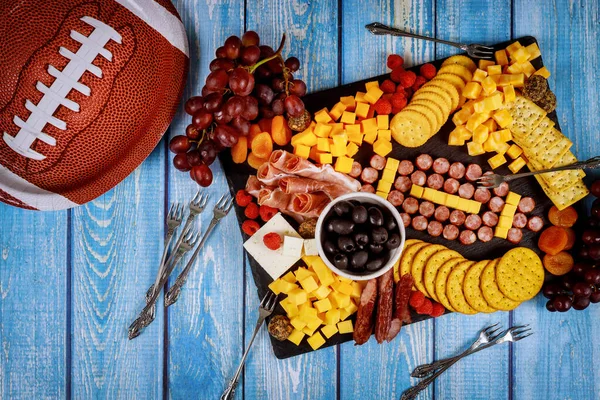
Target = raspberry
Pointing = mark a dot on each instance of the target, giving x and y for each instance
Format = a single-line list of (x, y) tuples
[(272, 240), (387, 96), (437, 310), (251, 211), (396, 73), (400, 89), (416, 299), (425, 308), (428, 71), (398, 101), (408, 92), (250, 227), (395, 110), (266, 212), (407, 79), (242, 198), (388, 86), (383, 107), (420, 81), (394, 61)]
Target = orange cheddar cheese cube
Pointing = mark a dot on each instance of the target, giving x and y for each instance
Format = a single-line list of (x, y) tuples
[(516, 165), (503, 135), (368, 124), (461, 117), (362, 110), (360, 97), (474, 149), (520, 55), (392, 164), (324, 158), (348, 117), (503, 118), (483, 64), (475, 120), (533, 50), (349, 102), (509, 93), (351, 149), (373, 94), (337, 150), (501, 57), (371, 84), (329, 330), (491, 125), (479, 75), (322, 305), (497, 160), (321, 130), (472, 90), (356, 138), (514, 151), (296, 337), (343, 164), (384, 134), (337, 110), (338, 127), (340, 139), (370, 136), (480, 135), (384, 186), (543, 72), (510, 49), (316, 341), (345, 327), (302, 151), (323, 116), (514, 68), (527, 68), (502, 147), (417, 191), (383, 122), (494, 69), (488, 85), (382, 147)]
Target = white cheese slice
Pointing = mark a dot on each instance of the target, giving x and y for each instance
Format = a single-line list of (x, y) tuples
[(310, 247), (292, 246), (274, 262)]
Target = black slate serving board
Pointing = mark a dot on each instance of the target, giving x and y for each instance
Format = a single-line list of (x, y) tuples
[(437, 146)]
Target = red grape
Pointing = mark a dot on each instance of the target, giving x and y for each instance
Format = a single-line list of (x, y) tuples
[(193, 104), (594, 252), (241, 82), (568, 281), (294, 106), (583, 252), (222, 118), (206, 91), (202, 175), (250, 111), (561, 303), (595, 211), (550, 306), (213, 102), (202, 119), (582, 289), (275, 65), (278, 84), (592, 276), (595, 189), (180, 144), (250, 38), (298, 87), (264, 94), (293, 64), (232, 47), (595, 297), (590, 236), (263, 73), (241, 125), (192, 132), (266, 51), (550, 290), (593, 222), (221, 63), (581, 303), (225, 136), (217, 80), (580, 269), (180, 162), (278, 107), (249, 55), (234, 106), (266, 112), (193, 158), (221, 53), (207, 152)]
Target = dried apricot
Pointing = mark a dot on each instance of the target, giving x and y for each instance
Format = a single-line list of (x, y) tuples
[(558, 264), (239, 151), (262, 145), (254, 131), (280, 131), (553, 240), (265, 124), (571, 238), (254, 161), (564, 218)]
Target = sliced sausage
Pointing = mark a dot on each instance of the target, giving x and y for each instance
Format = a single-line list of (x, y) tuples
[(403, 183), (514, 235), (364, 316), (535, 224), (435, 181), (467, 237), (369, 175), (424, 162), (401, 311), (377, 162), (457, 170), (482, 195), (367, 188), (419, 223), (441, 214), (451, 186), (473, 222), (405, 168), (526, 205), (519, 220), (410, 205), (406, 219), (356, 169), (441, 166), (385, 305), (466, 190), (434, 228), (502, 190), (418, 178), (490, 219), (450, 232), (396, 198), (457, 217), (485, 234), (496, 204), (473, 172), (426, 209)]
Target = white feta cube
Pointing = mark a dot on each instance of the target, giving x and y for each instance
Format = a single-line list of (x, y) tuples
[(292, 246), (310, 247)]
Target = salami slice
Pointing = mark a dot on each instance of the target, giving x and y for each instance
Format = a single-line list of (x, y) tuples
[(403, 184), (457, 217), (482, 195), (514, 235), (473, 222), (441, 166), (435, 181), (426, 208), (369, 175), (496, 204), (457, 170), (396, 198), (485, 234), (405, 168), (418, 178), (424, 162), (519, 220), (526, 205), (466, 190), (450, 232), (364, 316), (419, 223), (490, 219), (473, 172), (406, 219), (467, 237), (434, 228), (367, 188), (410, 205), (451, 186), (377, 162), (502, 190), (356, 169), (401, 310), (535, 224), (385, 305), (441, 214)]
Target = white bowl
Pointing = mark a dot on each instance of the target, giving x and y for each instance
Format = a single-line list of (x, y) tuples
[(363, 198)]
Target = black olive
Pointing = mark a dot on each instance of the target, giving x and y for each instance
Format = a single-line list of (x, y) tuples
[(361, 239), (359, 214), (345, 243), (341, 208), (375, 216), (329, 247), (393, 241), (390, 224), (329, 226), (358, 260), (340, 261), (342, 226), (375, 264), (379, 235), (375, 248)]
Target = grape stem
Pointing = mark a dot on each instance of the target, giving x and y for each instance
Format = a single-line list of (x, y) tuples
[(277, 54)]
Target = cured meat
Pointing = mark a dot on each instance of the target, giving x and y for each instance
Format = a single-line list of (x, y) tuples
[(385, 305), (377, 162), (369, 175), (403, 183), (520, 220), (514, 235), (457, 217), (466, 191), (275, 198), (441, 214), (356, 169), (535, 224), (526, 205), (450, 232), (441, 166), (435, 181), (501, 190), (279, 158), (292, 184), (405, 168), (426, 208), (457, 170), (467, 237), (485, 234), (406, 219), (419, 223), (308, 205), (482, 195), (424, 162), (401, 310), (253, 186), (367, 188), (269, 174), (451, 186), (410, 205), (396, 198), (418, 178), (434, 228), (473, 172), (473, 222), (496, 204), (364, 316), (490, 219)]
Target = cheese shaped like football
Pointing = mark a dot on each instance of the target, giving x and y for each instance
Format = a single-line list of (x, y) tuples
[(87, 91)]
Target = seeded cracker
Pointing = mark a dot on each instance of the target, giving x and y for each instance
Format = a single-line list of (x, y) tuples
[(564, 199), (526, 116), (554, 153), (520, 274)]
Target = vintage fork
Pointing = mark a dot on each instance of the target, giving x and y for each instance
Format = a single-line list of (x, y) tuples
[(145, 318), (267, 305), (485, 337), (474, 50), (494, 180), (513, 334), (219, 212)]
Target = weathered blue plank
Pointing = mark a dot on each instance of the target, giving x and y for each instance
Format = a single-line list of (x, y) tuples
[(33, 303), (205, 325), (311, 29), (559, 361)]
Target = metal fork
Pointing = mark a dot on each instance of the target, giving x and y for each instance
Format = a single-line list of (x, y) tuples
[(494, 180), (485, 336), (513, 334), (219, 212), (145, 318), (474, 50), (267, 305)]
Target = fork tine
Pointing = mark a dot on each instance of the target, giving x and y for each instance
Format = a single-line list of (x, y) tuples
[(491, 334), (220, 201), (480, 46), (522, 337), (490, 327), (519, 327), (194, 200), (181, 211), (481, 54), (272, 302), (521, 331), (204, 200), (228, 206)]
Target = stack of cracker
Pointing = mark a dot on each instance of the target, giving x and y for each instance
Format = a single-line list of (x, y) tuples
[(546, 147)]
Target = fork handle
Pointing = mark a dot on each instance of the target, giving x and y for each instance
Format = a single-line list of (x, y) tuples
[(592, 163), (377, 28), (424, 370)]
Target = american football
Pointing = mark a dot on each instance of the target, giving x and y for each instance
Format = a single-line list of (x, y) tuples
[(87, 90)]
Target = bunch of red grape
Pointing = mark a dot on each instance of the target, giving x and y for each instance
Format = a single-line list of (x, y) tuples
[(581, 286), (247, 81)]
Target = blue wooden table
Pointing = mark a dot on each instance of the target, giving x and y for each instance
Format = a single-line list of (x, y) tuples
[(72, 281)]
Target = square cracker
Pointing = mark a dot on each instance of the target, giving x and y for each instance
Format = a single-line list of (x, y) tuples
[(526, 116), (550, 157), (540, 131), (566, 198)]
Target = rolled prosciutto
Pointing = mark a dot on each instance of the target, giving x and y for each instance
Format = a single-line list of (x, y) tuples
[(291, 184), (308, 205)]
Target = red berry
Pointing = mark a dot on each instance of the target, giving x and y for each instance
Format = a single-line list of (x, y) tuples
[(266, 212), (396, 73), (428, 71), (388, 86), (394, 61), (250, 227), (251, 211), (398, 101), (416, 299), (242, 198), (425, 308), (420, 81), (400, 89), (408, 92), (437, 310), (272, 240), (383, 107), (407, 79)]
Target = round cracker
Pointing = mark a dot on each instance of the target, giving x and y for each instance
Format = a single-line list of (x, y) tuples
[(456, 80), (444, 101), (441, 279), (431, 268), (407, 243), (410, 128), (407, 256), (454, 288), (432, 106), (520, 274), (462, 60), (427, 112), (491, 292), (456, 69), (418, 265), (447, 87), (472, 289)]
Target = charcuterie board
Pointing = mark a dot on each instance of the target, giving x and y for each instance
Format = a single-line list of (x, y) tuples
[(437, 146)]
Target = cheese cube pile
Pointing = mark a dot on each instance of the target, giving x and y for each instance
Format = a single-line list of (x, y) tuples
[(338, 133), (385, 183), (483, 123), (317, 298), (445, 199), (507, 214)]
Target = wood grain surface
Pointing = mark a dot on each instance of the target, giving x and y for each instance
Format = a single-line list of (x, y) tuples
[(72, 281)]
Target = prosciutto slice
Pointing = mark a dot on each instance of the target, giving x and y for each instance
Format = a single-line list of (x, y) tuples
[(308, 205), (275, 198), (253, 186), (269, 174), (291, 184)]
